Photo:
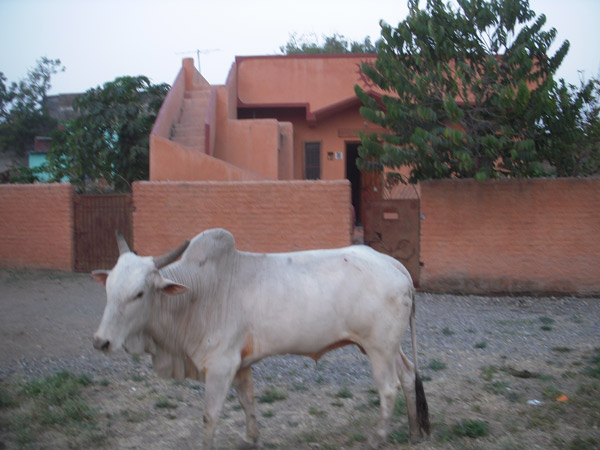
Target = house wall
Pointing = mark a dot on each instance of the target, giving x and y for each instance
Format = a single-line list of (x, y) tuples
[(318, 81), (36, 226), (267, 216), (539, 235), (171, 161)]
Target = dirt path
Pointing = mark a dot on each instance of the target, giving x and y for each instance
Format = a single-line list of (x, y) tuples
[(486, 361)]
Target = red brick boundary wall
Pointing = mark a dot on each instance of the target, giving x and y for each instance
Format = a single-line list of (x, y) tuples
[(264, 216), (36, 226), (539, 236)]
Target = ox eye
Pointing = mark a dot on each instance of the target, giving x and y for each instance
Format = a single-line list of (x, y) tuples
[(139, 294)]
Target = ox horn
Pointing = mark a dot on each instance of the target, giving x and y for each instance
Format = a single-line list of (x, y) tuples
[(168, 258), (122, 243)]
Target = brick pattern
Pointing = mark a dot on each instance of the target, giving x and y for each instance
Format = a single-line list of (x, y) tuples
[(263, 216), (522, 236), (36, 226)]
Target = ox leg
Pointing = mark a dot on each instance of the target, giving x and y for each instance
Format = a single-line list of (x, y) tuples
[(245, 389), (386, 378), (406, 373), (218, 382)]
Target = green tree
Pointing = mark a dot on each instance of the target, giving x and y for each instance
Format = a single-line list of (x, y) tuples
[(570, 131), (464, 90), (23, 113), (110, 137), (334, 44)]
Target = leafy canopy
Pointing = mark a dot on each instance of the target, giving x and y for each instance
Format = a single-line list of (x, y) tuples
[(463, 92), (110, 137), (334, 44), (23, 112)]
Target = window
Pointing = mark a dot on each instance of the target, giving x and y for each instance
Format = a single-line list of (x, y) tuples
[(312, 160)]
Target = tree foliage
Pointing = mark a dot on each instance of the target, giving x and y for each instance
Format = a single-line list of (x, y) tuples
[(109, 139), (334, 44), (468, 92), (23, 112)]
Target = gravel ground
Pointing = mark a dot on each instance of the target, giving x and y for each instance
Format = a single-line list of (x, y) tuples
[(48, 319)]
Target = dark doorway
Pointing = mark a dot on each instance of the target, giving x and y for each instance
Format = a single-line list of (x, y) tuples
[(354, 175)]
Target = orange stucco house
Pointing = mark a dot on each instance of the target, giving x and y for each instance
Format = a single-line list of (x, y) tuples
[(288, 117)]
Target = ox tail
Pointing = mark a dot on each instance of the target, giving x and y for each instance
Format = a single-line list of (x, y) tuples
[(422, 407)]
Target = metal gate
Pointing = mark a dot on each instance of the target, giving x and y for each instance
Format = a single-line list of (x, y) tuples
[(392, 227), (96, 217)]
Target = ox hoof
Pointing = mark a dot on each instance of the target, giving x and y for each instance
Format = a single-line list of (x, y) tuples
[(245, 445)]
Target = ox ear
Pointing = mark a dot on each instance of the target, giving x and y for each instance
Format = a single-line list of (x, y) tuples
[(171, 288), (100, 276)]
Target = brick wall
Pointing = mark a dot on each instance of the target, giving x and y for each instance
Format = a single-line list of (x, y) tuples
[(501, 236), (264, 216), (36, 226)]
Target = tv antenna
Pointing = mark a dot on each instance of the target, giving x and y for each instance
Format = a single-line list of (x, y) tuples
[(198, 52)]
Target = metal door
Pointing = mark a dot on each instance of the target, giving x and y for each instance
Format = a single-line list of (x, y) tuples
[(96, 217), (392, 227)]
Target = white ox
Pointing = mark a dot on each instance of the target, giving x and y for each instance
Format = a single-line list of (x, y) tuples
[(229, 309)]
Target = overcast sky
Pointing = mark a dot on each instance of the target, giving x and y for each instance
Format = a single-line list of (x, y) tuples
[(99, 40)]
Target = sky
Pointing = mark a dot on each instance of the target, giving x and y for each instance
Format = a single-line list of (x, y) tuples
[(99, 40)]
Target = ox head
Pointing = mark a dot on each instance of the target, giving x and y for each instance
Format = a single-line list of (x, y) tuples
[(131, 288)]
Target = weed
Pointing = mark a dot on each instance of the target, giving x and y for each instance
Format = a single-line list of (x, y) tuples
[(481, 344), (470, 428), (496, 387), (134, 416), (137, 378), (316, 412), (268, 414), (344, 393), (164, 403), (436, 365), (271, 395), (547, 322), (357, 437)]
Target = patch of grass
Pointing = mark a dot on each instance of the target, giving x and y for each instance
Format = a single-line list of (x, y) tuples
[(481, 345), (344, 393), (6, 398), (54, 402), (398, 436), (593, 365), (488, 372), (268, 414), (547, 320), (164, 403), (400, 406), (561, 349), (470, 428), (447, 331), (437, 365), (271, 395), (584, 444)]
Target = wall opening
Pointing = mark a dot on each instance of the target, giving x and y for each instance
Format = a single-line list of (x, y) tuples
[(353, 174)]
